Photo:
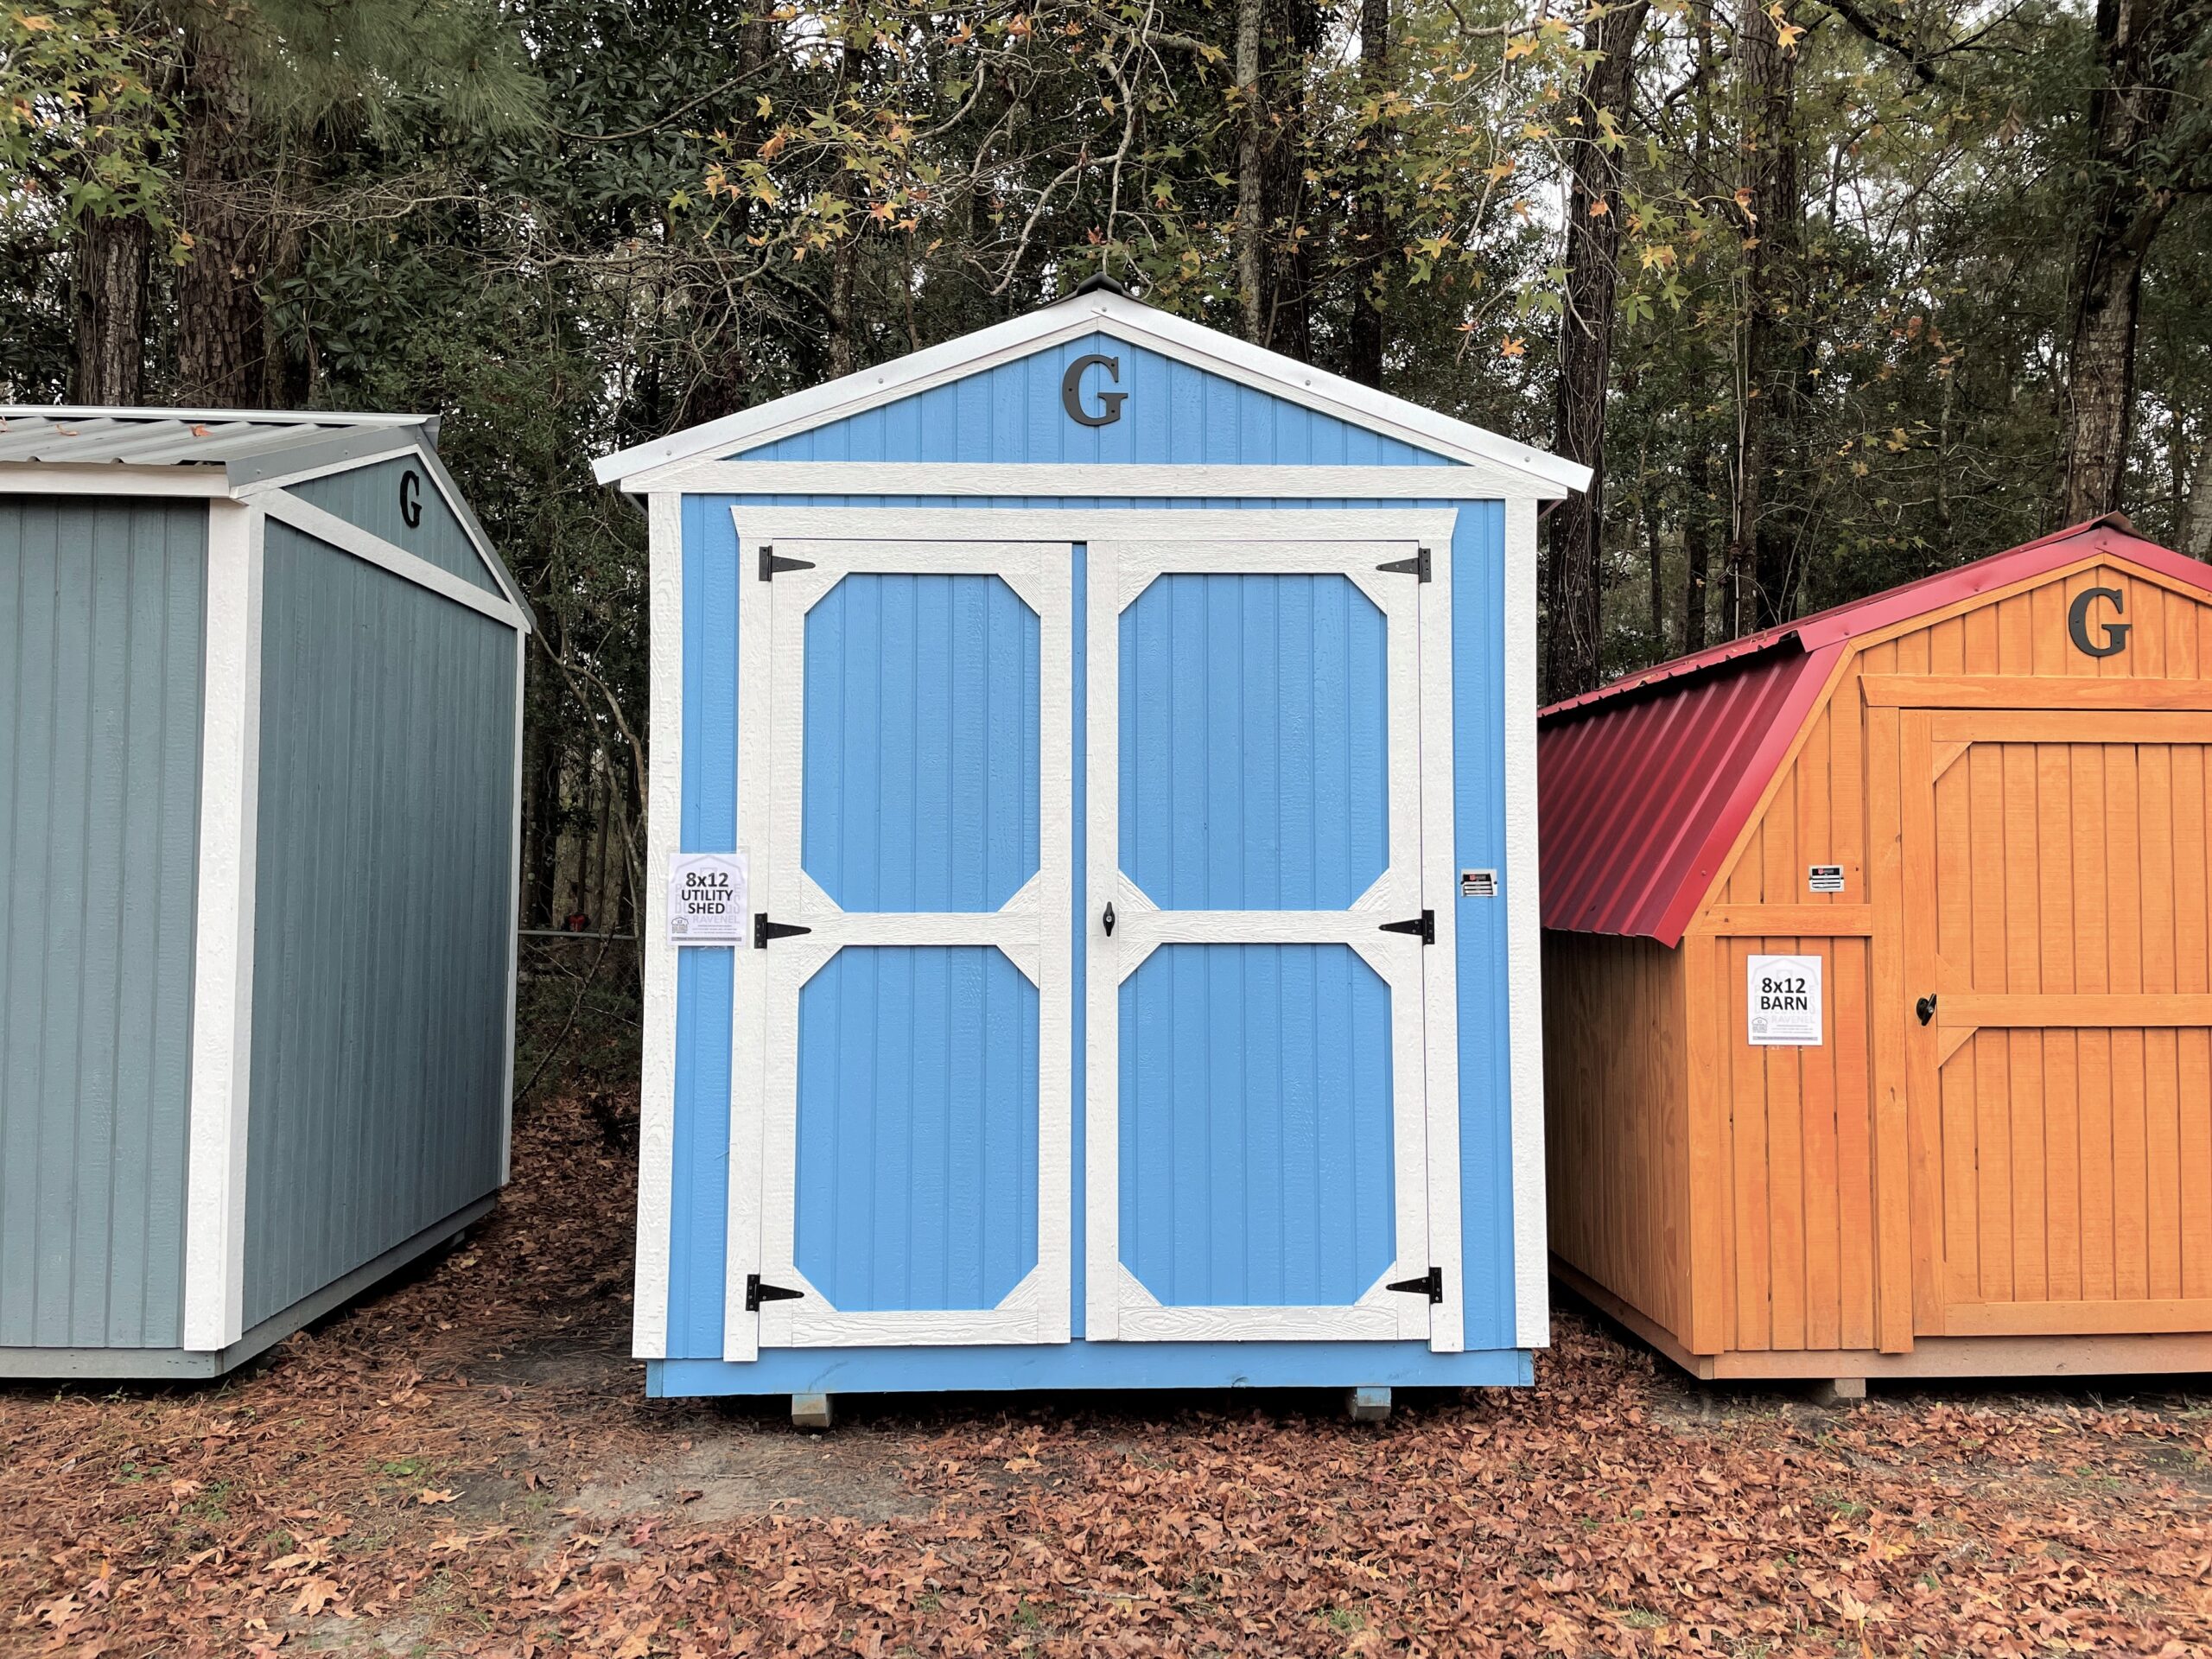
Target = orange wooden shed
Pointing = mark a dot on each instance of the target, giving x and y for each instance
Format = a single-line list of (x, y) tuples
[(1878, 980)]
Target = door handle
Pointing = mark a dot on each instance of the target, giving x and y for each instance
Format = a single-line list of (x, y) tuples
[(1108, 918), (1925, 1009)]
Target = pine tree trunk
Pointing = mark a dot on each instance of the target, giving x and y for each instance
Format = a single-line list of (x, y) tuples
[(107, 289), (222, 337), (1765, 531), (1573, 657), (1370, 225), (2195, 537), (2141, 49), (1251, 187), (1289, 29), (1697, 551)]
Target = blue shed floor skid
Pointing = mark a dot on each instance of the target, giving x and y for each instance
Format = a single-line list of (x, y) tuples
[(1090, 1365)]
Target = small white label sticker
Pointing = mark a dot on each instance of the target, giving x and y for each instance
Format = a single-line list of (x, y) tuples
[(1784, 1002), (707, 899), (1478, 884), (1825, 878)]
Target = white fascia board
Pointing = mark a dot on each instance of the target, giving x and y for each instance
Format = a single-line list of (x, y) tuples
[(109, 477), (222, 990), (1140, 325)]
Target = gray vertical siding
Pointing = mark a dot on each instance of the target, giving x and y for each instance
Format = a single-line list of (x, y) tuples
[(101, 607), (369, 497), (381, 918)]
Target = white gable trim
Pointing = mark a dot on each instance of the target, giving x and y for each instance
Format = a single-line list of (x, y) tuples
[(1548, 476), (278, 484)]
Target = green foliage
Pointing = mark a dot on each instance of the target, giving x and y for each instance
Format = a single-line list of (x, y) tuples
[(568, 227), (83, 125)]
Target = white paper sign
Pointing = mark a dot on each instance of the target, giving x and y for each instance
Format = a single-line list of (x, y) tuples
[(1784, 1002), (707, 899)]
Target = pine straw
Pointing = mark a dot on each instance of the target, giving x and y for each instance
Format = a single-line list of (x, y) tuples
[(455, 1466)]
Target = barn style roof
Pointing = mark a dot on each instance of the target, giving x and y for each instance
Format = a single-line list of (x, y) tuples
[(1103, 306), (1644, 784), (249, 444)]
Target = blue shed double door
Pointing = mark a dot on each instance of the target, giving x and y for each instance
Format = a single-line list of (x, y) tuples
[(1262, 1157)]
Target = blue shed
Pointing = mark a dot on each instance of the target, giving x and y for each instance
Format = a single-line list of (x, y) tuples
[(1115, 745), (260, 751)]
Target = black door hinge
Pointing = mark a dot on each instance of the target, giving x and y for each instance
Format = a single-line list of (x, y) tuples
[(756, 1293), (1416, 566), (1423, 925), (764, 930), (1430, 1284), (769, 564)]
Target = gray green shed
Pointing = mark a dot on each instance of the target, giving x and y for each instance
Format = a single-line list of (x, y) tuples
[(260, 748)]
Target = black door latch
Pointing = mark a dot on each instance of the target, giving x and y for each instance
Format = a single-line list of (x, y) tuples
[(1925, 1009)]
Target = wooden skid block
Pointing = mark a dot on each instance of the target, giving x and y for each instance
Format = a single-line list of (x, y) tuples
[(1368, 1405)]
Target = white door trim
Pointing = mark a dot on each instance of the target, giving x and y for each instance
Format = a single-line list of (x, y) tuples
[(1441, 962), (1030, 929), (663, 824), (1119, 572), (1429, 526)]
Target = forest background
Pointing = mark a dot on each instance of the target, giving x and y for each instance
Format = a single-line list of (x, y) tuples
[(1832, 292)]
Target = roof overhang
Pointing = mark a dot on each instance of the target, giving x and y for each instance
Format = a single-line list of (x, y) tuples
[(1548, 477)]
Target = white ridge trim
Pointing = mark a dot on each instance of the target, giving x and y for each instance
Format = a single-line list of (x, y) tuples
[(1139, 325), (1524, 936), (664, 813), (309, 519), (222, 989)]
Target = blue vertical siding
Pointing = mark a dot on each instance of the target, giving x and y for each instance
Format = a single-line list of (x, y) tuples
[(920, 787), (917, 1128), (1485, 995), (1256, 1127), (102, 610), (1176, 413), (982, 428), (1254, 757)]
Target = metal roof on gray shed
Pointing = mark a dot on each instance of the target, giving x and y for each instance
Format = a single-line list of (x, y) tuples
[(248, 444)]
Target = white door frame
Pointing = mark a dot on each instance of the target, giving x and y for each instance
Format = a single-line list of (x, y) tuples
[(1421, 978), (1031, 930)]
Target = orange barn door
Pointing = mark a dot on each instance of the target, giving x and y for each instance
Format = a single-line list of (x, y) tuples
[(2058, 950)]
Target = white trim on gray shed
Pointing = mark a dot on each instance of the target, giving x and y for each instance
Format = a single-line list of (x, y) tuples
[(272, 872)]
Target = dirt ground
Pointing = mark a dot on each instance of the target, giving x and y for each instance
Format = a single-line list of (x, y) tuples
[(466, 1464)]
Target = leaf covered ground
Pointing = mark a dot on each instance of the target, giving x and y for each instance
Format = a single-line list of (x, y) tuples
[(466, 1465)]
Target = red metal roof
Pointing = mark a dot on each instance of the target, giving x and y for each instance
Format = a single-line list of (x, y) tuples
[(1643, 785)]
